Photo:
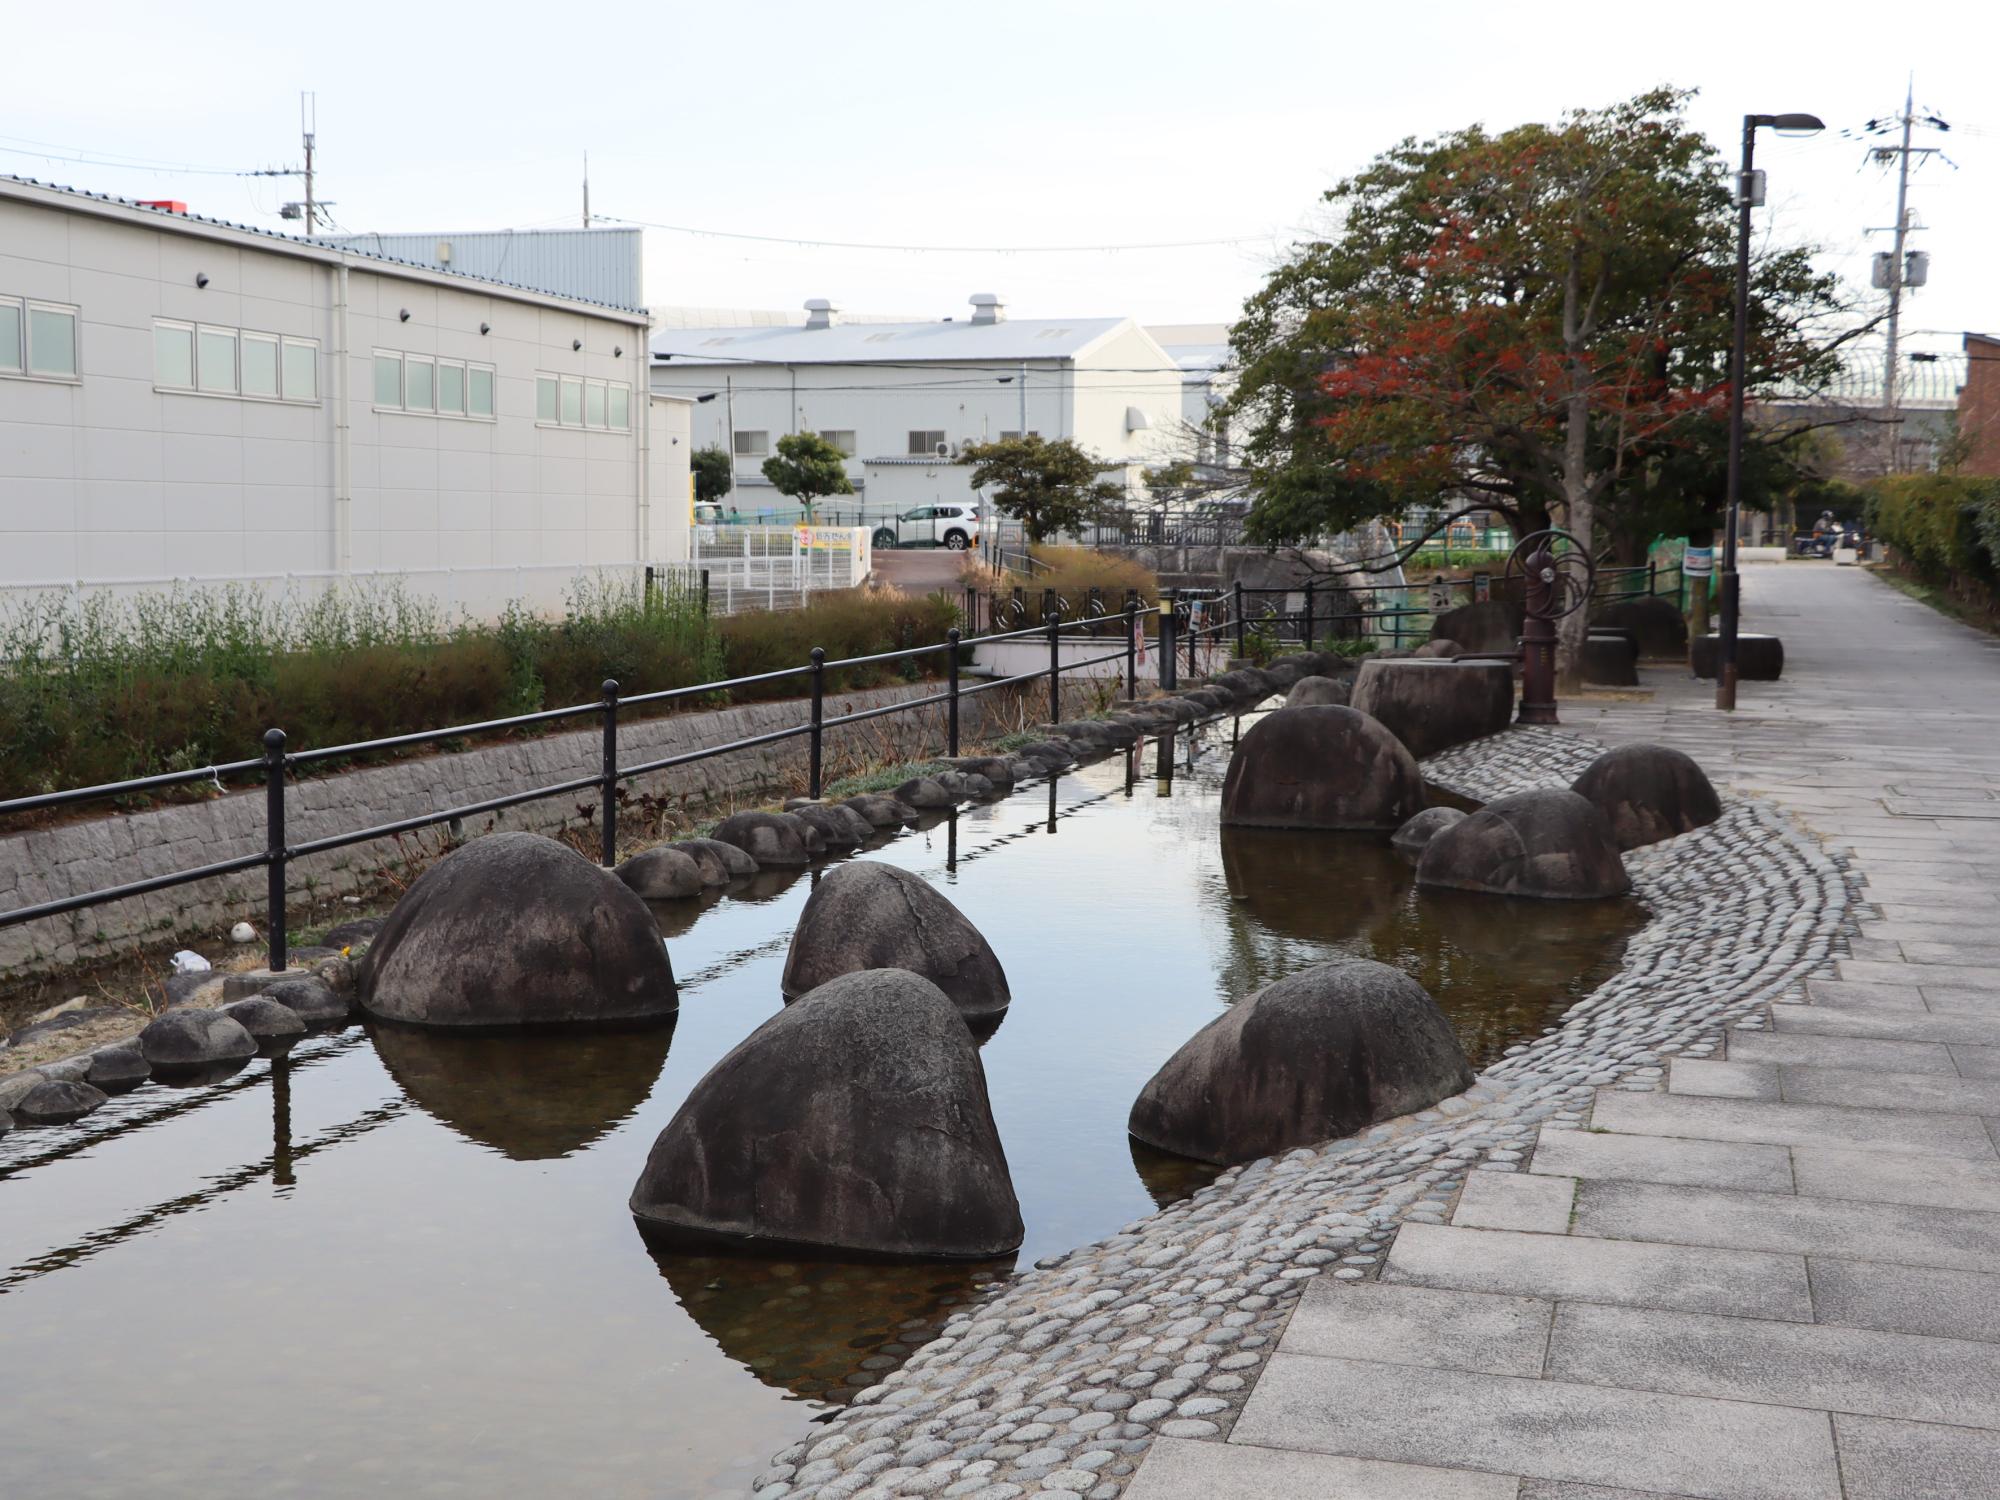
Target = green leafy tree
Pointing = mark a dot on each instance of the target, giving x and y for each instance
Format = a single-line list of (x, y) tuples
[(714, 474), (807, 467), (1049, 487), (1537, 320)]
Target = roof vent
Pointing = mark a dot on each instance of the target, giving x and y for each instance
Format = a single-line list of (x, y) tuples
[(820, 313), (987, 308)]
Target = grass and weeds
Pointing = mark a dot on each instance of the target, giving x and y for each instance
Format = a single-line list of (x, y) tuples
[(96, 689), (1952, 605)]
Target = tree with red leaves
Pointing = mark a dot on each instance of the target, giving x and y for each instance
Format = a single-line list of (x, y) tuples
[(1538, 319)]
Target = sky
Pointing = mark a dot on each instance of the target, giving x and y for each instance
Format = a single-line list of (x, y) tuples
[(982, 130)]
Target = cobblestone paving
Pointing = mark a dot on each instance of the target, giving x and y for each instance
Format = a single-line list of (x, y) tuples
[(1063, 1382)]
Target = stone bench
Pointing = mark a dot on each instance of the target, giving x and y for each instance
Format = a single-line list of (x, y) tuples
[(1759, 658)]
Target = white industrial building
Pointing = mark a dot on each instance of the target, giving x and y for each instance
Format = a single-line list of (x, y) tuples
[(902, 399), (186, 398), (1202, 352)]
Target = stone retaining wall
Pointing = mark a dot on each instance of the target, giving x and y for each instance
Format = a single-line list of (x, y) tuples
[(47, 864)]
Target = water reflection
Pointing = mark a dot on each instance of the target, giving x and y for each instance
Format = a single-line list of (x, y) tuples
[(677, 918), (1169, 1178), (536, 1096), (1500, 968), (822, 1330)]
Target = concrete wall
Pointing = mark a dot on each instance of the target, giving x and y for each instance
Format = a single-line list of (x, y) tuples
[(114, 476), (48, 864)]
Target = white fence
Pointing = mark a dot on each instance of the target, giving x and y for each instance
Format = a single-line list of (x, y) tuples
[(777, 567), (478, 593)]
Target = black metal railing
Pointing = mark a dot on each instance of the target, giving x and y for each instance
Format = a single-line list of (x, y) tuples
[(277, 761)]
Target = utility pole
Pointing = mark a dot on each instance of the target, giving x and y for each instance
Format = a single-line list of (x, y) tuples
[(729, 410), (1023, 382), (1896, 276), (1899, 269), (308, 127), (586, 190)]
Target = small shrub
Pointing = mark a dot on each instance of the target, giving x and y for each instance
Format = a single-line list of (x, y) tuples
[(1074, 571)]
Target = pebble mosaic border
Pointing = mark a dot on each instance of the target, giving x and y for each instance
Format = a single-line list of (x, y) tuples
[(1059, 1384)]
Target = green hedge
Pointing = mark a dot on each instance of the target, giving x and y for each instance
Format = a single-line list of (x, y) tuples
[(1944, 527), (94, 690)]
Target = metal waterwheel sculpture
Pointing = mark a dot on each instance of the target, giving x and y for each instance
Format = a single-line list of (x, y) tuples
[(1555, 582), (1558, 576)]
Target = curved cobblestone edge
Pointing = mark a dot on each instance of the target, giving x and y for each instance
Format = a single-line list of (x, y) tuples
[(1061, 1381)]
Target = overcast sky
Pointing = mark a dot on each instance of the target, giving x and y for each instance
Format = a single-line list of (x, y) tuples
[(1078, 123)]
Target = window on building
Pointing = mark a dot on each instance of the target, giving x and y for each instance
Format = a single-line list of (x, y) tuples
[(51, 340), (841, 438), (215, 359), (260, 365), (173, 355), (12, 347), (572, 402), (753, 444), (545, 398), (418, 384), (479, 388), (388, 379), (301, 370), (593, 403), (1008, 437), (621, 407), (451, 388), (926, 443)]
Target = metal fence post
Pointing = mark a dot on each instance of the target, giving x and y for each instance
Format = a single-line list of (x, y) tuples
[(1237, 606), (1306, 626), (1194, 643), (951, 687), (1055, 668), (818, 715), (274, 848), (646, 598), (1131, 647), (1652, 576), (610, 794), (704, 593), (1169, 647)]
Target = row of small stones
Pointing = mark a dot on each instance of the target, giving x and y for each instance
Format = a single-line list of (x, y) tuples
[(1060, 1383)]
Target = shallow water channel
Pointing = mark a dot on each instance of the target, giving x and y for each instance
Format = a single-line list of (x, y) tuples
[(402, 1264)]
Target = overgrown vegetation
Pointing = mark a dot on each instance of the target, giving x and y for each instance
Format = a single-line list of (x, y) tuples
[(95, 689), (1945, 530)]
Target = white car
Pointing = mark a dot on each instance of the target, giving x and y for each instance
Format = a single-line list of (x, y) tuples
[(954, 526)]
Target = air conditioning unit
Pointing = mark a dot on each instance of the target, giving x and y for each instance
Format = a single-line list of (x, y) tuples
[(944, 450)]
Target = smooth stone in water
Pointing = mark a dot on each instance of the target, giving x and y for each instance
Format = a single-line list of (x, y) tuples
[(1424, 827), (855, 1122), (58, 1103), (118, 1066), (772, 839), (194, 1038), (1548, 843), (1321, 767), (272, 1024), (720, 863), (312, 1000), (881, 810), (924, 794), (1320, 1054), (871, 915), (662, 875), (1432, 705), (355, 934), (513, 929), (1649, 793)]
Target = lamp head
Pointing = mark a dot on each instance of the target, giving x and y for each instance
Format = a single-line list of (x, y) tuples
[(1796, 125)]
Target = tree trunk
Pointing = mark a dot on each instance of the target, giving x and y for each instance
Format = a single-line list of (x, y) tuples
[(1578, 506)]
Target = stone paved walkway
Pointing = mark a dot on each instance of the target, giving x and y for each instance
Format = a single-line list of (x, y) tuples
[(1779, 1277)]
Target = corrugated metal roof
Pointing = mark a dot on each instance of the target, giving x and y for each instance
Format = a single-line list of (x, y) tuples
[(1931, 383), (591, 265), (169, 218), (886, 343)]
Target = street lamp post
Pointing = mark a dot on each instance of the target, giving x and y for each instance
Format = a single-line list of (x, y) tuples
[(1746, 198)]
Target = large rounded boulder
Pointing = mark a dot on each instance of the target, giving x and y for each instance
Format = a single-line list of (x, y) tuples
[(1655, 622), (1648, 793), (1318, 692), (662, 875), (719, 863), (1549, 843), (1431, 704), (1486, 626), (1320, 767), (772, 839), (1320, 1054), (854, 1123), (518, 930), (871, 915), (1419, 831), (191, 1038)]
